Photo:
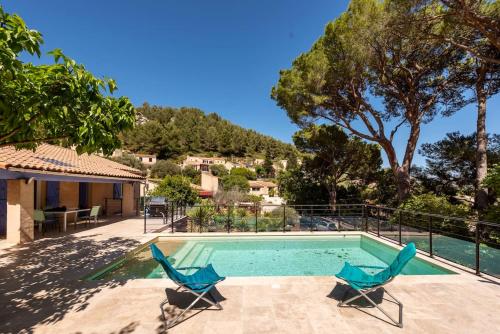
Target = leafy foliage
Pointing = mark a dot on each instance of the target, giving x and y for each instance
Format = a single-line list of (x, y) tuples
[(129, 160), (245, 172), (235, 182), (177, 189), (218, 170), (493, 179), (163, 168), (171, 132), (359, 60), (300, 187), (451, 163), (61, 102), (430, 203), (333, 157)]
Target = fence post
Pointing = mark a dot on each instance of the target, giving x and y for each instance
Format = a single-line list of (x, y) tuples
[(400, 219), (172, 215), (378, 221), (144, 208), (338, 218), (228, 220), (477, 249), (430, 235), (284, 218), (256, 217), (364, 220)]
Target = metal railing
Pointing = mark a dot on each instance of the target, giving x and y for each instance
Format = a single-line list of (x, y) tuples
[(469, 243)]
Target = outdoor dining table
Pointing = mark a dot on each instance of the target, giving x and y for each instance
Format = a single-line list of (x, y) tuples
[(65, 214)]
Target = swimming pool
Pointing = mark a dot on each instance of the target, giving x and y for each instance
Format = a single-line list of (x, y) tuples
[(266, 256)]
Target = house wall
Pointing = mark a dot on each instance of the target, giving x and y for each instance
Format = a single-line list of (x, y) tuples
[(20, 207), (99, 192), (68, 194), (209, 182)]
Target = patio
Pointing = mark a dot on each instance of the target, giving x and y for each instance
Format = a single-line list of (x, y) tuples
[(42, 293)]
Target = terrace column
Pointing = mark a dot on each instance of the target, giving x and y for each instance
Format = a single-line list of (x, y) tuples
[(20, 207)]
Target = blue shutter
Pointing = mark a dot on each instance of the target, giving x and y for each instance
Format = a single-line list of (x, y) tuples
[(52, 200), (3, 207), (83, 195), (117, 190)]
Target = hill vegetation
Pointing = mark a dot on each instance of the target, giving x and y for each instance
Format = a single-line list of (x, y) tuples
[(173, 132)]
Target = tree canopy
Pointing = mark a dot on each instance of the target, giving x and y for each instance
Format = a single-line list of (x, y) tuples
[(360, 63), (60, 102), (245, 172), (163, 168), (176, 188), (235, 182), (173, 132), (333, 157)]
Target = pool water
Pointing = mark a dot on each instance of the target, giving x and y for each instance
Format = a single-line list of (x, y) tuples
[(269, 256)]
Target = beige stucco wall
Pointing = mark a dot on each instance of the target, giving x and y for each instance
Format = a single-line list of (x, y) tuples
[(209, 182), (128, 200), (99, 192), (20, 201), (68, 194)]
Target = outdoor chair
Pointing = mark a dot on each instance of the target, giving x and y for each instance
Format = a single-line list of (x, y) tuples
[(199, 283), (93, 215), (364, 282), (41, 221)]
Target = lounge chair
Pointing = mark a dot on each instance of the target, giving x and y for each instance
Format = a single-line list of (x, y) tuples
[(364, 282), (199, 283)]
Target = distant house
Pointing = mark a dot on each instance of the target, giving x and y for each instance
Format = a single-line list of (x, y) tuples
[(263, 188), (146, 159), (203, 163), (53, 177)]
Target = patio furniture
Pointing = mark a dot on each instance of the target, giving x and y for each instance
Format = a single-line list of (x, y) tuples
[(364, 282), (62, 211), (199, 283), (93, 215), (41, 221)]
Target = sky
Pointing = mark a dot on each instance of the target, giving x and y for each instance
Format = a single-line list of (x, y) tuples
[(221, 56)]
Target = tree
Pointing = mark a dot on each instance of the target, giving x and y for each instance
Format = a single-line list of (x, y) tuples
[(191, 173), (176, 188), (451, 163), (218, 170), (361, 62), (238, 182), (472, 26), (245, 172), (163, 168), (334, 157), (300, 187), (60, 103), (130, 160), (476, 23), (173, 132), (267, 166)]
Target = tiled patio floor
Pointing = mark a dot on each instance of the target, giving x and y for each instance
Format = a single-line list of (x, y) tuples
[(40, 292)]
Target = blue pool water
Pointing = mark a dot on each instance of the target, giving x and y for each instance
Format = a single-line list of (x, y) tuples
[(269, 256)]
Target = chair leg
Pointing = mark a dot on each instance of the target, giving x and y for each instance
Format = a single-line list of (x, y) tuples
[(169, 324), (365, 295)]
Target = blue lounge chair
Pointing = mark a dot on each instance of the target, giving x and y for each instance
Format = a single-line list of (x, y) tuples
[(364, 282), (198, 283)]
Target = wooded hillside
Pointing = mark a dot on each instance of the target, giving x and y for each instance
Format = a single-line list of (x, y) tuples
[(173, 132)]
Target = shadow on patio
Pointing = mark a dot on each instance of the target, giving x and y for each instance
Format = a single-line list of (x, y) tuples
[(39, 282)]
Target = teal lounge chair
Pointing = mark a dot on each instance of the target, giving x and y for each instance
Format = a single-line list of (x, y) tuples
[(199, 283), (364, 282)]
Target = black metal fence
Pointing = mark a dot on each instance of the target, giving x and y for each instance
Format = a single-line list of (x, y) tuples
[(470, 243)]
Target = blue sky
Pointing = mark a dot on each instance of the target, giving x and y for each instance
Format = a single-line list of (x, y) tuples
[(220, 56)]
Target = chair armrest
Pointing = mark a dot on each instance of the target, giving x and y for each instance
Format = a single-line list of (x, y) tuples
[(186, 268), (371, 267)]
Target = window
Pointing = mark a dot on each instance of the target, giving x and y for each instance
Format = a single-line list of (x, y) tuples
[(150, 159), (255, 189)]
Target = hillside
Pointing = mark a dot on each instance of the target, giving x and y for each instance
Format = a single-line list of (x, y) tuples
[(172, 132)]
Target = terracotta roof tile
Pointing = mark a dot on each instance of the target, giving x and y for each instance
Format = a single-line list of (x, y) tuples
[(261, 184), (59, 159)]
